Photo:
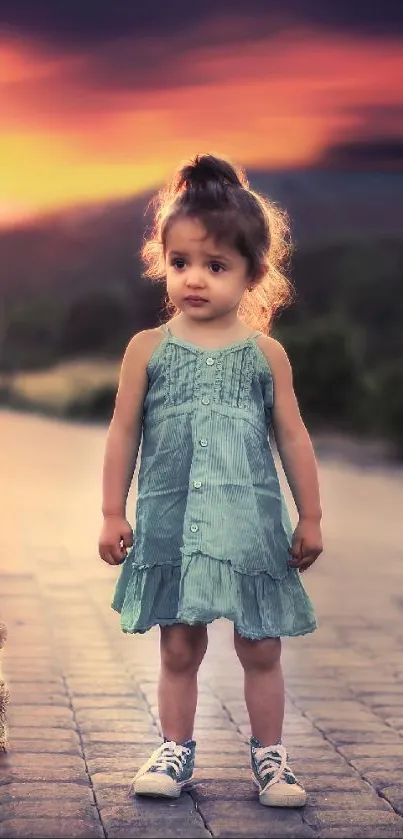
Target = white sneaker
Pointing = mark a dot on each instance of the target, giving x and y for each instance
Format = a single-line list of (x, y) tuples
[(167, 771), (278, 786)]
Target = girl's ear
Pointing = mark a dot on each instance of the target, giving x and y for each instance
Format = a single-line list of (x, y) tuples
[(254, 283), (256, 277)]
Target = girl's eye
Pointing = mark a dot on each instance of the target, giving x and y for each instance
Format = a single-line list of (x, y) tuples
[(216, 268), (179, 264)]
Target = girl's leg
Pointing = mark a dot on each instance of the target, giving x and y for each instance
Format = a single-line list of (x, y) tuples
[(264, 686), (182, 651)]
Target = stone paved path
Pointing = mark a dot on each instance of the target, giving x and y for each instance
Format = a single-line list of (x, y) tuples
[(83, 709)]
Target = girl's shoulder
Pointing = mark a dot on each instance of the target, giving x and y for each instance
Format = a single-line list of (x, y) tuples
[(142, 346), (275, 354)]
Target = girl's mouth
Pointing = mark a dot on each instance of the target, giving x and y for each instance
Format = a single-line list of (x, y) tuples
[(195, 301)]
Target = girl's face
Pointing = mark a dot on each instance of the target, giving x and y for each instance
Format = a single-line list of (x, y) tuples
[(205, 280)]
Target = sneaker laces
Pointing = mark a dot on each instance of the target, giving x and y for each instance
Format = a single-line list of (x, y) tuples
[(274, 759), (171, 756)]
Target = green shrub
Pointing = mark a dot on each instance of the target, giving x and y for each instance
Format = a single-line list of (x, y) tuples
[(326, 357), (387, 402), (95, 406), (98, 323), (81, 389), (29, 336)]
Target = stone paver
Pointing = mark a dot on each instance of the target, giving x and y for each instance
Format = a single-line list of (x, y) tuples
[(83, 709)]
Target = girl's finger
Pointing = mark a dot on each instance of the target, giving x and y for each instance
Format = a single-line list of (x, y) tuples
[(118, 553), (113, 554), (296, 548), (106, 555), (294, 560)]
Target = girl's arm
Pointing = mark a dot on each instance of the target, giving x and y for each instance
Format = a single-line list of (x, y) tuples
[(124, 433), (122, 444), (297, 456)]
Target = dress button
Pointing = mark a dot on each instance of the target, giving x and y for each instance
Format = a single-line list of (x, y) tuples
[(194, 528), (197, 484), (209, 361), (205, 400), (203, 443)]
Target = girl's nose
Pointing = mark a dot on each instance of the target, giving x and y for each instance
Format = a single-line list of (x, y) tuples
[(194, 279)]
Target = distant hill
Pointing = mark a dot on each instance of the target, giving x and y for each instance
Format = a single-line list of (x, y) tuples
[(98, 245), (330, 206)]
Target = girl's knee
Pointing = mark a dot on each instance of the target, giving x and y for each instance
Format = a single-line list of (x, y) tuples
[(183, 647), (257, 655)]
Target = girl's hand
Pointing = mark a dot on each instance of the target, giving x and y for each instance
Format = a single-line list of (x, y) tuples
[(306, 544), (116, 536)]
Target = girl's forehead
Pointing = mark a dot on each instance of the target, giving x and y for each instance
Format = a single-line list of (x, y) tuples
[(191, 235)]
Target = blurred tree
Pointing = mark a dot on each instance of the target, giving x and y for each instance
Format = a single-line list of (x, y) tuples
[(326, 357), (371, 291), (387, 401), (359, 281), (96, 405), (29, 335), (98, 323)]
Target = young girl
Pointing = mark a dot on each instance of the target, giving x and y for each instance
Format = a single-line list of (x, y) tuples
[(213, 537)]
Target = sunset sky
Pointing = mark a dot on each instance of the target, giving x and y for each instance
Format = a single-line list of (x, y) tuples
[(102, 99)]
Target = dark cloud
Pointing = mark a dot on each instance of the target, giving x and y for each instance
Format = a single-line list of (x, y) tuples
[(143, 64), (126, 66), (377, 144), (383, 154), (68, 22), (157, 62), (377, 118)]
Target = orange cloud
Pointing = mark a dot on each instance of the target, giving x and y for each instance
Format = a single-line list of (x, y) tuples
[(68, 137)]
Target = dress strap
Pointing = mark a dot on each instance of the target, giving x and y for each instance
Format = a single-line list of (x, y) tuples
[(165, 328)]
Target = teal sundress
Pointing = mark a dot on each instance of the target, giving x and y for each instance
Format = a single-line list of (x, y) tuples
[(212, 533)]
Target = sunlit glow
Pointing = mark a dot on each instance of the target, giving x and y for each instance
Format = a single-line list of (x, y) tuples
[(65, 138)]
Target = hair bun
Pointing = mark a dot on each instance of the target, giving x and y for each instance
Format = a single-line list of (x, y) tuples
[(207, 171)]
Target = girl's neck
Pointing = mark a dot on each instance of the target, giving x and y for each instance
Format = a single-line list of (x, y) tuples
[(209, 333)]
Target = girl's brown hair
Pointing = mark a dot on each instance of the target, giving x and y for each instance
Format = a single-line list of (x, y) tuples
[(218, 195)]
